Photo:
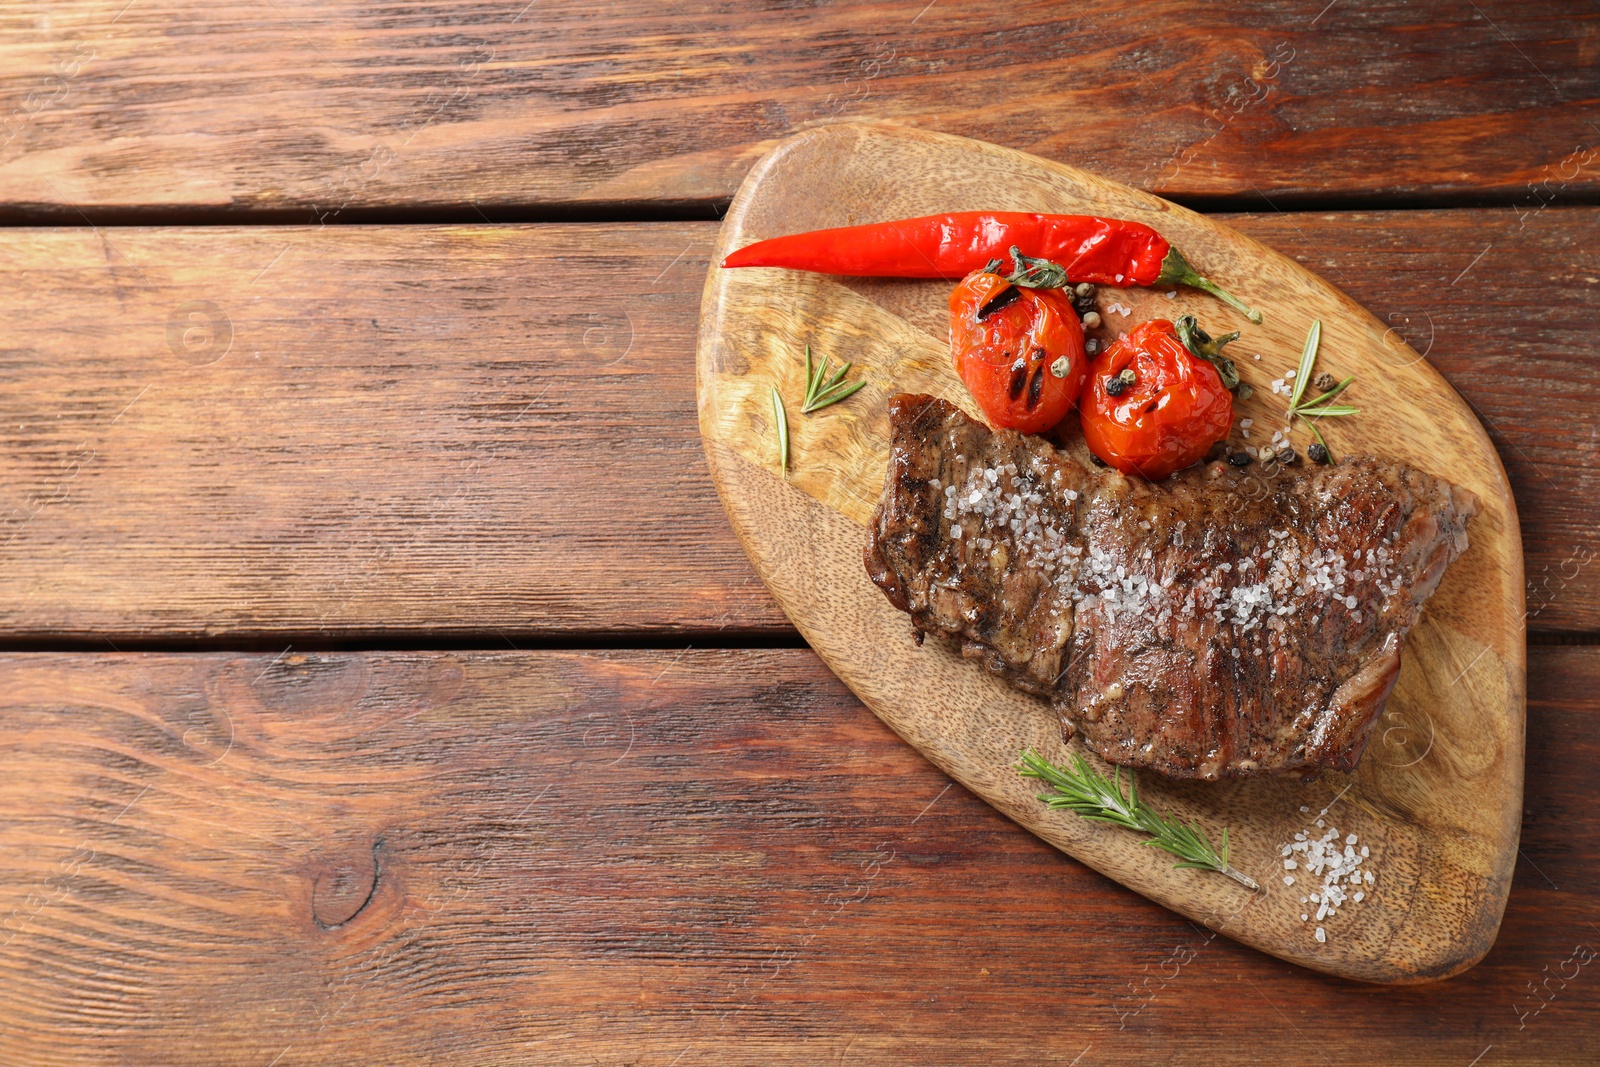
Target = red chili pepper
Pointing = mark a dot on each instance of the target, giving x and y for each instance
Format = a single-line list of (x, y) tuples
[(1103, 251)]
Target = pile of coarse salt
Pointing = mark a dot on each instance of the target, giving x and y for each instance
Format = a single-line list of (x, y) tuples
[(1344, 880), (995, 502)]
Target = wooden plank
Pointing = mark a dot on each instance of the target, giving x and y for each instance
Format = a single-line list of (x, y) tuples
[(382, 430), (323, 110), (711, 857), (464, 430)]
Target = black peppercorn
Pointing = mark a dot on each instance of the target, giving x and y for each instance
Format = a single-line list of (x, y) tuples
[(1082, 296), (1118, 383), (1318, 453), (1325, 381), (1239, 459)]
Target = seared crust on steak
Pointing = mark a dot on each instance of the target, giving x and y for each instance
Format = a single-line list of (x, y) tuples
[(1222, 623)]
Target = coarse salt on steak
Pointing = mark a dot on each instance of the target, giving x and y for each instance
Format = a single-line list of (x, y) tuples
[(1220, 624)]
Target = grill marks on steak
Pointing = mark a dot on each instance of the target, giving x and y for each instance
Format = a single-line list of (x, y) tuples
[(997, 595), (1220, 624)]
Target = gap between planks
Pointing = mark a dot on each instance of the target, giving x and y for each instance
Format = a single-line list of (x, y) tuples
[(605, 212), (278, 644)]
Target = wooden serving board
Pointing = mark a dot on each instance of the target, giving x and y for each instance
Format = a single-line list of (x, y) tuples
[(1438, 795)]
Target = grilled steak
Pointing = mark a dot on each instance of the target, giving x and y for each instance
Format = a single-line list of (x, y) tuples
[(1220, 624)]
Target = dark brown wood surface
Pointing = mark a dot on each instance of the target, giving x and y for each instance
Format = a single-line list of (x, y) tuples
[(310, 441), (324, 109), (654, 858), (491, 430), (368, 430)]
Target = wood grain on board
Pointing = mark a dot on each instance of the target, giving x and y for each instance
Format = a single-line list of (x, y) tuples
[(649, 857), (328, 108), (455, 430), (803, 529)]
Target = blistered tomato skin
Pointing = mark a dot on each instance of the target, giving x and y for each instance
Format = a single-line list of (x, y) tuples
[(1168, 418), (1024, 361)]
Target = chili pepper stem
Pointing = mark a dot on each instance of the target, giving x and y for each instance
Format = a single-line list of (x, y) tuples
[(1175, 270)]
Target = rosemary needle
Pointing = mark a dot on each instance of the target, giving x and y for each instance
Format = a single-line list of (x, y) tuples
[(1086, 791), (782, 420), (1308, 356)]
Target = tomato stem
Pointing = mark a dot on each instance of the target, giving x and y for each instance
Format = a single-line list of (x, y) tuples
[(1199, 342)]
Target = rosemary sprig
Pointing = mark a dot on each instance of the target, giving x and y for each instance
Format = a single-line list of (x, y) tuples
[(1086, 791), (1322, 406), (781, 419), (821, 390)]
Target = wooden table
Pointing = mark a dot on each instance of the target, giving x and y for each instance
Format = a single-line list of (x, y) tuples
[(382, 682)]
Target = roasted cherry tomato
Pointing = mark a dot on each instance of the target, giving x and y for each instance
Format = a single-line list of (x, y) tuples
[(1153, 405), (1019, 350)]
